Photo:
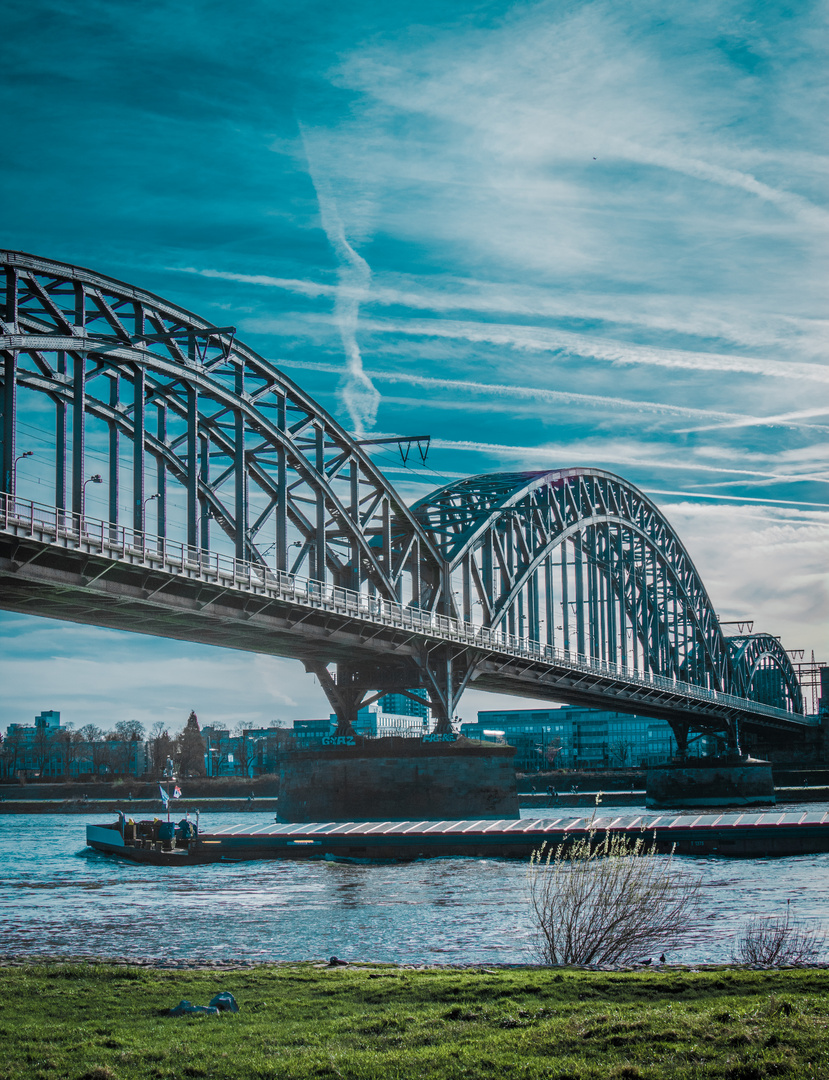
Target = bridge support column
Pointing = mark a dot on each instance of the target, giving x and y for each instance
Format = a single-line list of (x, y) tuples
[(345, 700), (445, 672), (680, 731), (9, 421)]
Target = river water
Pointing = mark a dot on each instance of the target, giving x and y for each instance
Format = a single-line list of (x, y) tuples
[(59, 898)]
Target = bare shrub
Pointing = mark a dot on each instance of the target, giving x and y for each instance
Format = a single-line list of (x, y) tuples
[(608, 900), (776, 941)]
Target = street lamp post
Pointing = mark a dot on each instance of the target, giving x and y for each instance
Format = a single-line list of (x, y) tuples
[(13, 484), (149, 499), (95, 479)]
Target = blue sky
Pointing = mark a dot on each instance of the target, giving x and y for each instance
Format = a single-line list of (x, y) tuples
[(547, 234)]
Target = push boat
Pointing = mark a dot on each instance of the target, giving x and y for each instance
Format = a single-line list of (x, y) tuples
[(748, 834)]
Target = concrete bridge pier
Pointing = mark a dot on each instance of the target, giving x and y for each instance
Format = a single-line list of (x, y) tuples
[(396, 778), (730, 780)]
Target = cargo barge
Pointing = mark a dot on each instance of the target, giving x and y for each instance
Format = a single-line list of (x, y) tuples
[(748, 835)]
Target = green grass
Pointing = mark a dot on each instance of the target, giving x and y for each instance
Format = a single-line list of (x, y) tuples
[(108, 1023)]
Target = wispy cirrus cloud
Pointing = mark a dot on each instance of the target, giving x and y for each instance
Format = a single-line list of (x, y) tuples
[(539, 394), (620, 454), (783, 419), (805, 337), (796, 205), (543, 339)]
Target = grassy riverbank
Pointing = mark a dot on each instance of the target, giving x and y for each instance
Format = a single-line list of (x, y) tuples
[(108, 1023)]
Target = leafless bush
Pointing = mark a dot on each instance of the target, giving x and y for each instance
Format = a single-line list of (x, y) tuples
[(608, 900), (773, 942)]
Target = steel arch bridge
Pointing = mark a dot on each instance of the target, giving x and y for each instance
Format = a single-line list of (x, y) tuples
[(254, 520)]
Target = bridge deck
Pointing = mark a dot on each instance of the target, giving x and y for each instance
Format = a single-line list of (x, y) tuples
[(734, 834), (53, 564)]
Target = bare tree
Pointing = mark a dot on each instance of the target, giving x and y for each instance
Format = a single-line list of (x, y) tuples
[(608, 900), (278, 741), (42, 748), (129, 731), (245, 751), (119, 752), (554, 748), (774, 942), (67, 748), (224, 749), (91, 736), (161, 748), (99, 750), (126, 737), (620, 751), (14, 749)]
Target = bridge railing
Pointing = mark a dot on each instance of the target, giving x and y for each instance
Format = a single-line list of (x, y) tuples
[(120, 543)]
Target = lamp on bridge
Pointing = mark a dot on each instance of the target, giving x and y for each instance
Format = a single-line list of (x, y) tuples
[(95, 479), (13, 487)]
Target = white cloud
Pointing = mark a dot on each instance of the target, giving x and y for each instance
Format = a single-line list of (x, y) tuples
[(542, 339), (358, 392), (700, 316), (538, 395), (706, 170), (99, 676), (619, 453), (771, 567)]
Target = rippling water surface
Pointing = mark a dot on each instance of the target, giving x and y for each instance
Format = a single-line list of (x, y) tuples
[(58, 897)]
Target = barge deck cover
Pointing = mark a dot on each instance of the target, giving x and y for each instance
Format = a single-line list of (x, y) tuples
[(747, 833)]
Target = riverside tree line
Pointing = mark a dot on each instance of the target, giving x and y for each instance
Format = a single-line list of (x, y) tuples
[(63, 753)]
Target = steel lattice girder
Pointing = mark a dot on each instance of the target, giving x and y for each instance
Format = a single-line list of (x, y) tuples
[(247, 449), (753, 653), (50, 567), (241, 439), (628, 571)]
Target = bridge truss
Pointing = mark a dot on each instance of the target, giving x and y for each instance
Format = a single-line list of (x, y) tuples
[(566, 584)]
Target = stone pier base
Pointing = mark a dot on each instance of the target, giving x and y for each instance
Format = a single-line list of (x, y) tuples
[(398, 779), (715, 782)]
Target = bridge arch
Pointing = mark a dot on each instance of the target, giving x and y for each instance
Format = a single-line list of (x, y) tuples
[(196, 436), (581, 560), (198, 440), (763, 672)]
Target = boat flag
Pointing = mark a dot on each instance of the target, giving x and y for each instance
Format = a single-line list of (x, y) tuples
[(165, 798), (176, 792)]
